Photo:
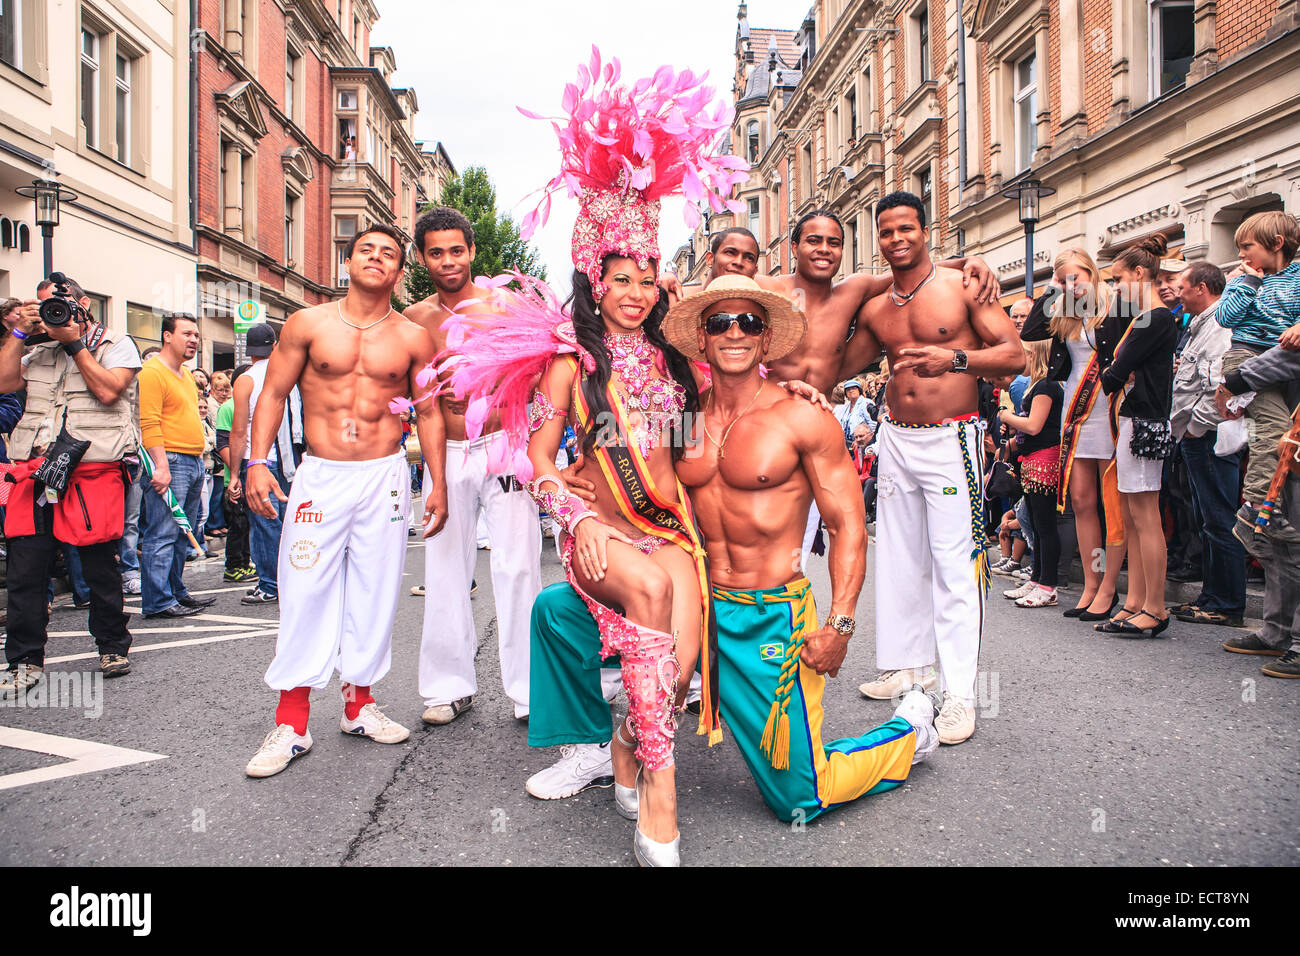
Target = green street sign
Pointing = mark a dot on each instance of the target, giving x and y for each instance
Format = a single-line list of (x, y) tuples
[(249, 314)]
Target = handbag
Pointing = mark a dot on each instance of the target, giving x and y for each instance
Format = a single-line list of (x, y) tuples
[(1002, 482), (61, 459), (1153, 439)]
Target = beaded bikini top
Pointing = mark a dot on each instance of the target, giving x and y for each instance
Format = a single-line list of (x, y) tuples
[(659, 401)]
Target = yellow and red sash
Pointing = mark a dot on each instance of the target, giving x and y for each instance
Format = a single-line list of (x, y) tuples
[(650, 511), (1077, 411)]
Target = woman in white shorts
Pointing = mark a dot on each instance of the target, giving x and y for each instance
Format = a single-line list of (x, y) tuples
[(1143, 372)]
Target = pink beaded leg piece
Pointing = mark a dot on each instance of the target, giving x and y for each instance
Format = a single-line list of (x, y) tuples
[(650, 680), (649, 673)]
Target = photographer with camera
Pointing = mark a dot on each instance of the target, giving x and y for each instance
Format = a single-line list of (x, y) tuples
[(69, 486)]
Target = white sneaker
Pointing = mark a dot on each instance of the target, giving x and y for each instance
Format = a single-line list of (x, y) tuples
[(580, 766), (918, 710), (1038, 597), (372, 723), (956, 721), (131, 587), (1023, 572), (891, 684), (280, 746), (16, 682), (440, 714), (1006, 566), (1015, 594)]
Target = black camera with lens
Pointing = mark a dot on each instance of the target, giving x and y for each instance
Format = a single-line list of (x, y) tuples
[(62, 307)]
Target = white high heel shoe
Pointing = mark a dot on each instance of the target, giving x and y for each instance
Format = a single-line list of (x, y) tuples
[(650, 852), (626, 800)]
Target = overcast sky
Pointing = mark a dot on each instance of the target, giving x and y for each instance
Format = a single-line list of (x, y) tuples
[(471, 64)]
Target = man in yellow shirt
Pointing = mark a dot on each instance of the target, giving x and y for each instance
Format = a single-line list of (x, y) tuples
[(172, 435)]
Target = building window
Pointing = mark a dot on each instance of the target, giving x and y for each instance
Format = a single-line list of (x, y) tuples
[(347, 99), (90, 86), (144, 325), (122, 102), (751, 135), (291, 64), (753, 218), (854, 265), (925, 189), (1173, 44), (98, 308), (290, 228), (345, 227), (1026, 111), (851, 105), (923, 36), (808, 172), (11, 32)]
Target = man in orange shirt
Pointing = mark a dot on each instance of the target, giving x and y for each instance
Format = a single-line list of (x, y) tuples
[(172, 435)]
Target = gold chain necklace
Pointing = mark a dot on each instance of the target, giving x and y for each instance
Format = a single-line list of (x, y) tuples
[(727, 431), (361, 328)]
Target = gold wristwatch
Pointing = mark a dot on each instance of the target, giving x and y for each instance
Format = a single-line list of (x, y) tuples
[(842, 624)]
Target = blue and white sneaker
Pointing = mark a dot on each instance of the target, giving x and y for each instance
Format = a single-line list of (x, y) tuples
[(918, 709), (372, 723), (280, 746)]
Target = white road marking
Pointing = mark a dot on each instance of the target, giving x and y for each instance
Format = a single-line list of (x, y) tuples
[(192, 628), (84, 756), (137, 648)]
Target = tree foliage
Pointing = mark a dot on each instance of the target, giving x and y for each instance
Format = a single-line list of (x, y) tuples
[(497, 244)]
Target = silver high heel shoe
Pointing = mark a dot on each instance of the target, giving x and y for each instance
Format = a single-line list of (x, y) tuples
[(651, 853), (626, 800)]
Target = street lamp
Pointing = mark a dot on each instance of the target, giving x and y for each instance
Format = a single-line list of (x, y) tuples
[(1028, 192), (48, 194)]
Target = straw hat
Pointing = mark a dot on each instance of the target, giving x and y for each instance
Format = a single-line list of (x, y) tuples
[(786, 325)]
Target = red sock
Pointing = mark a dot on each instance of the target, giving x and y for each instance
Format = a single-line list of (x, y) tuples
[(294, 707), (354, 698)]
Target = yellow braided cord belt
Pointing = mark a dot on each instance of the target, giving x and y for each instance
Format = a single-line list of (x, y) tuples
[(775, 742)]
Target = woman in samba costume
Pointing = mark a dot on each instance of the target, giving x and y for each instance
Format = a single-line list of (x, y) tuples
[(635, 557)]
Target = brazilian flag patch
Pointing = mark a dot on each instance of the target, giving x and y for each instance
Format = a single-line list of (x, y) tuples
[(771, 652), (950, 490)]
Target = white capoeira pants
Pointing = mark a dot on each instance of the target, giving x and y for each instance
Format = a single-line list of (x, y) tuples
[(449, 641), (928, 598), (809, 534), (342, 551)]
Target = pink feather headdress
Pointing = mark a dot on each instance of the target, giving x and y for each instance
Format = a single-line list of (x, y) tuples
[(625, 148)]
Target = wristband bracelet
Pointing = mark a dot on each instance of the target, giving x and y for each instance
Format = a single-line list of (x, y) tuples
[(19, 334), (265, 463), (72, 348)]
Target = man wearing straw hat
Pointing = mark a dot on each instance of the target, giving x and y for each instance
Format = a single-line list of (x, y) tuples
[(760, 459)]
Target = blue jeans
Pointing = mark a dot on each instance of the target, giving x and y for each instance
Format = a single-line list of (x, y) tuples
[(164, 543), (264, 536), (127, 558), (80, 589), (1214, 482)]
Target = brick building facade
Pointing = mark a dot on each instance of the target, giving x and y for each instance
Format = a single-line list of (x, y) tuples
[(301, 141), (1145, 115)]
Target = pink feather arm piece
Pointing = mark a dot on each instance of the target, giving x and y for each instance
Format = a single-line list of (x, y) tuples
[(499, 359), (657, 136)]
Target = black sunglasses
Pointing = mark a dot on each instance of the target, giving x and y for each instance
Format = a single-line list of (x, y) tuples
[(750, 323)]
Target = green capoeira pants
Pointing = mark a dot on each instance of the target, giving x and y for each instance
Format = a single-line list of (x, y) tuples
[(755, 637)]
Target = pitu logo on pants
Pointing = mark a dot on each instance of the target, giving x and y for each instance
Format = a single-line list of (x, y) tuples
[(304, 515)]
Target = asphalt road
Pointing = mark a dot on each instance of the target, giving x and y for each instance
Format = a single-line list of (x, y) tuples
[(1089, 750)]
